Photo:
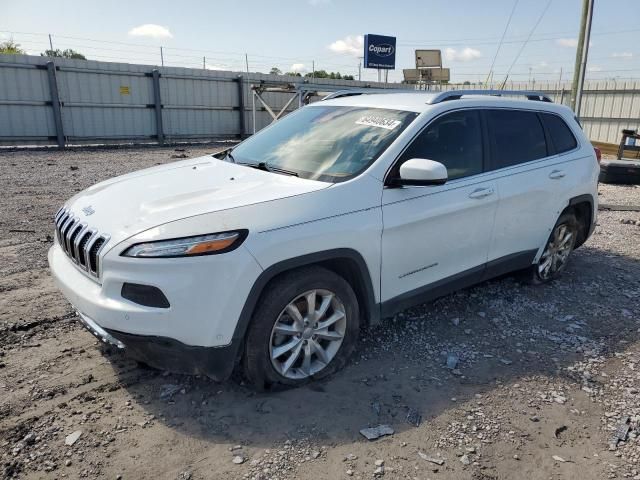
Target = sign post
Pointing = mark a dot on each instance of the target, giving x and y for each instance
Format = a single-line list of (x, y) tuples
[(380, 53)]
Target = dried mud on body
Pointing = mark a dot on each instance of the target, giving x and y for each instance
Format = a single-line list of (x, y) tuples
[(498, 381)]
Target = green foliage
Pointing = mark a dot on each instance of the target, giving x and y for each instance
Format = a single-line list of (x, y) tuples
[(332, 75), (11, 48), (68, 53), (275, 71), (293, 74)]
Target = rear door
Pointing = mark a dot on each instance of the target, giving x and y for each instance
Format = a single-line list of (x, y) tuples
[(530, 178), (435, 235)]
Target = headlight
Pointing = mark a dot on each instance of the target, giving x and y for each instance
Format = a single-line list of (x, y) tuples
[(188, 246)]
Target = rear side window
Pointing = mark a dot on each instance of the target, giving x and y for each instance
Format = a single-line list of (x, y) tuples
[(561, 135), (455, 140), (516, 137)]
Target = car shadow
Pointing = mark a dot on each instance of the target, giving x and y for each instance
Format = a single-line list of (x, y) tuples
[(497, 332)]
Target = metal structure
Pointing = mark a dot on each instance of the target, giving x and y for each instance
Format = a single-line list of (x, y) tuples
[(87, 102), (302, 92), (630, 141), (428, 59)]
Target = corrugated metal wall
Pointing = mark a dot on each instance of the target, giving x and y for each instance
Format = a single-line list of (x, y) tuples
[(117, 102)]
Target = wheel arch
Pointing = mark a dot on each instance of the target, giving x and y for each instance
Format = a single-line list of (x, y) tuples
[(582, 206), (347, 263)]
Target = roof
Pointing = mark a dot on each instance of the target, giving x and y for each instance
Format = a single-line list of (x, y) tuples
[(421, 101)]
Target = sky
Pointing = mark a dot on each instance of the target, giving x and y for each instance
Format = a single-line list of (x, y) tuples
[(296, 35)]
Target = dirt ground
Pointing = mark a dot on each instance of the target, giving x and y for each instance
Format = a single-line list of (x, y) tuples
[(544, 376)]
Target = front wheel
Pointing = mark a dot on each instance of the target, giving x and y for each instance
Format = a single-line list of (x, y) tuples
[(557, 250), (304, 327)]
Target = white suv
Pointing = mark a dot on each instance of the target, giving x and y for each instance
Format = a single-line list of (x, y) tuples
[(276, 253)]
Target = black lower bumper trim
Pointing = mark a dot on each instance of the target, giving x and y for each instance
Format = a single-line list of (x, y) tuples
[(176, 357)]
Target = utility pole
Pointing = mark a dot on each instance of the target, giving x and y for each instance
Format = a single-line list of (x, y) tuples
[(313, 69), (246, 64), (204, 63), (50, 43), (581, 56), (360, 68), (161, 57)]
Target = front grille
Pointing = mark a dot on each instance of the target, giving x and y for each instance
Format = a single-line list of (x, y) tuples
[(80, 242)]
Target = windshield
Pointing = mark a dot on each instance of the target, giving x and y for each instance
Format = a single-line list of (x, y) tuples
[(326, 143)]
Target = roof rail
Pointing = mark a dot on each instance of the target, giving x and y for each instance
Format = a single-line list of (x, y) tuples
[(365, 91), (457, 94)]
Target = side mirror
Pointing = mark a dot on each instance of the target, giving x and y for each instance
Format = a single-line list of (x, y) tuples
[(422, 172)]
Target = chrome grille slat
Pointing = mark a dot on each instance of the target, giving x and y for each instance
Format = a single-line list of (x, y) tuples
[(67, 235), (63, 232), (85, 252), (82, 244), (77, 240)]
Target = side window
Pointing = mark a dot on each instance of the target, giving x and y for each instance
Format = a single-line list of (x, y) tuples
[(516, 137), (455, 140), (561, 135)]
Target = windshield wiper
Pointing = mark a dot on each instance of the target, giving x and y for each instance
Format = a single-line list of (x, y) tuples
[(269, 168)]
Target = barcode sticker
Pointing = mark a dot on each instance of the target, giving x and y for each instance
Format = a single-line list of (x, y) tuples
[(382, 122)]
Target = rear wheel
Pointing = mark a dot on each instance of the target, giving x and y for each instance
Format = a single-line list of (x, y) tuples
[(304, 327), (557, 250)]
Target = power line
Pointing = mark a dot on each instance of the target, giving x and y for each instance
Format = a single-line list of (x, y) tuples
[(501, 39), (527, 40)]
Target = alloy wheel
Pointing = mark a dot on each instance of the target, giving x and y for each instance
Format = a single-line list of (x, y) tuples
[(556, 253), (307, 334)]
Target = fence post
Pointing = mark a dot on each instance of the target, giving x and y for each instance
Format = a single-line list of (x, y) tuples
[(155, 75), (240, 82), (55, 103)]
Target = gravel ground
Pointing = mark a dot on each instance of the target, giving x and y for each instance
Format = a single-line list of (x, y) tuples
[(545, 381)]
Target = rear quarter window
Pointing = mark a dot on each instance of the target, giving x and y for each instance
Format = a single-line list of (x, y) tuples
[(561, 135)]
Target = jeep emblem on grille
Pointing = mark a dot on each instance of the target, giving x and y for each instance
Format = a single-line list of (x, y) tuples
[(88, 210)]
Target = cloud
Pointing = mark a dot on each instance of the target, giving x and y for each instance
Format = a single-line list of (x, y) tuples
[(622, 55), (465, 55), (150, 30), (298, 68), (350, 45), (594, 68), (567, 42)]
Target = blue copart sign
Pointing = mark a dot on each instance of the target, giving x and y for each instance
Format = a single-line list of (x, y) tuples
[(379, 52)]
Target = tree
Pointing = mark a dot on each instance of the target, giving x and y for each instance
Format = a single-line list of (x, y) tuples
[(293, 74), (68, 53), (11, 48), (325, 74), (275, 71)]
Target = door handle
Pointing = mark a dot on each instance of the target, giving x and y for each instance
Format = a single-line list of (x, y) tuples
[(556, 174), (481, 193)]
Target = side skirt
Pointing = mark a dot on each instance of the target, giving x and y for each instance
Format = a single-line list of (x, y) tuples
[(459, 281)]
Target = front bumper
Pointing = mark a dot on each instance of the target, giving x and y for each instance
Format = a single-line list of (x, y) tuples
[(168, 354), (195, 334)]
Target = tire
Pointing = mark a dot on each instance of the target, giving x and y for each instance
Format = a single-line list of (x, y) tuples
[(280, 349), (554, 260)]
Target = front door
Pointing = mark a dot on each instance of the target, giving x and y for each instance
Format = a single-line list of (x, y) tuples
[(438, 236)]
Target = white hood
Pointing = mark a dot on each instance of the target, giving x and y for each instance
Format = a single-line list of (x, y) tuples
[(126, 205)]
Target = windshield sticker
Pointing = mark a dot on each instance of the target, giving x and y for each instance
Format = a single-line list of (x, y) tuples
[(382, 122)]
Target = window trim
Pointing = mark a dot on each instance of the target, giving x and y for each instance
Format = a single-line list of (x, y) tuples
[(493, 165), (487, 158), (547, 132), (388, 182)]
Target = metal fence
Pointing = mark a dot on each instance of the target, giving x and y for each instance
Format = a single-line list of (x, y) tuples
[(59, 101)]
